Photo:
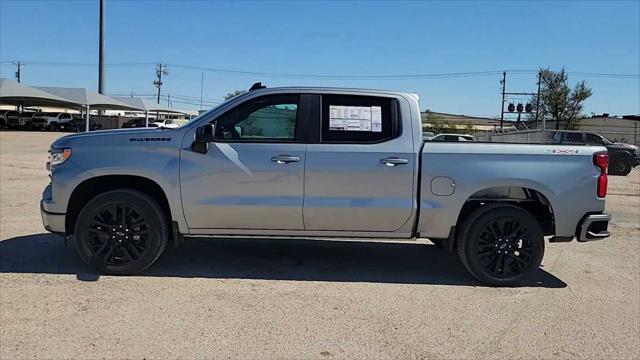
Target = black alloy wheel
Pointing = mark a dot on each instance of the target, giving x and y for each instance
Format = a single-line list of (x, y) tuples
[(500, 244), (504, 247), (118, 234), (121, 232)]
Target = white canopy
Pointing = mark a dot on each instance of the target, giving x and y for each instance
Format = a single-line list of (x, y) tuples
[(147, 105), (88, 99), (15, 93)]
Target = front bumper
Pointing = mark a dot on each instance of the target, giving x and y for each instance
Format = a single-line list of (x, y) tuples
[(593, 227), (53, 222)]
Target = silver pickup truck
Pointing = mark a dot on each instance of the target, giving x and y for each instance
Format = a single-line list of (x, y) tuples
[(321, 163)]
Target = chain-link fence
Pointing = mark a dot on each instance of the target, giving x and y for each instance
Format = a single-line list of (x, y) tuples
[(623, 149)]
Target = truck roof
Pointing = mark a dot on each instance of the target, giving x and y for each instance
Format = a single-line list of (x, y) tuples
[(321, 89)]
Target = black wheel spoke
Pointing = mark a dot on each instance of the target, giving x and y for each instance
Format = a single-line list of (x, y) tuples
[(99, 224), (100, 231), (133, 251), (514, 230), (108, 256), (102, 247), (503, 247), (120, 234), (518, 261)]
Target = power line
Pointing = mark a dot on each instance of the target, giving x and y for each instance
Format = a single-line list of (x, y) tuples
[(326, 76), (337, 77)]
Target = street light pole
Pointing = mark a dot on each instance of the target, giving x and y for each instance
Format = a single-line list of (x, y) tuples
[(101, 79), (18, 66), (504, 86)]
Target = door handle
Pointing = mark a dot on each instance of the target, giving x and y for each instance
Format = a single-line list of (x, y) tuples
[(393, 161), (283, 159)]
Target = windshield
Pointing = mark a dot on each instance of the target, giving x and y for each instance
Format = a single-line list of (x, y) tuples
[(606, 141)]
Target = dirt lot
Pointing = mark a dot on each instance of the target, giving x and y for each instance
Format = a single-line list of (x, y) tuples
[(305, 299)]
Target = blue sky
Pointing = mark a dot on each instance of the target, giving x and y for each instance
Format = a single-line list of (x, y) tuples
[(331, 38)]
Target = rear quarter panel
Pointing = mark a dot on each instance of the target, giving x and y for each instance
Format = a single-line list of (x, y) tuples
[(565, 175)]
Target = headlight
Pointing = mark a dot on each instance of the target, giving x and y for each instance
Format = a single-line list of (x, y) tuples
[(58, 156)]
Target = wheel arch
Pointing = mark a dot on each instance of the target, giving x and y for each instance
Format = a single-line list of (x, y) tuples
[(534, 200), (90, 188)]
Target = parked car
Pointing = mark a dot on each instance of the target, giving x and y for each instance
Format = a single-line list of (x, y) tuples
[(320, 163), (49, 120), (20, 120), (165, 123), (453, 137), (622, 157), (78, 125), (4, 114), (426, 135), (134, 123)]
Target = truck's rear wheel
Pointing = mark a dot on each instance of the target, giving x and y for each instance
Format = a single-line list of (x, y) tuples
[(500, 244), (621, 165), (121, 232)]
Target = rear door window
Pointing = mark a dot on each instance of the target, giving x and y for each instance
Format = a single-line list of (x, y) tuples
[(594, 140), (574, 138), (358, 119)]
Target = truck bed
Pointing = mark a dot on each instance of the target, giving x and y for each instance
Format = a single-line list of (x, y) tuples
[(453, 173)]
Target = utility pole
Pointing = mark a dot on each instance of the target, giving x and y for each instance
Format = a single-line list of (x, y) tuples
[(18, 65), (161, 69), (528, 108), (504, 87), (101, 79), (538, 101)]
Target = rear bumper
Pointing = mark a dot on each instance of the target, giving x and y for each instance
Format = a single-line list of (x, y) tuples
[(593, 227)]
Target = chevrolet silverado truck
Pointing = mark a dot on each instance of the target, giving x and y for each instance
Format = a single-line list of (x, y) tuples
[(321, 163)]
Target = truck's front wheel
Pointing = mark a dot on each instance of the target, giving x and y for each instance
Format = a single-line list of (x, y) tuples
[(500, 244), (121, 232)]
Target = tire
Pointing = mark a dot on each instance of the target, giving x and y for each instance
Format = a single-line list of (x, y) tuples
[(121, 246), (496, 254), (438, 243), (620, 165), (54, 127)]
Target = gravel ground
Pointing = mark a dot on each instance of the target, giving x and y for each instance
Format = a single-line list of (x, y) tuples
[(304, 299)]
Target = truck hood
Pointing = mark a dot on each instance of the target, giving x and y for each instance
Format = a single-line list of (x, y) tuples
[(116, 135)]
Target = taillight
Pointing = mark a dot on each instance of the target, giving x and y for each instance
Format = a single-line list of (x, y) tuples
[(601, 160)]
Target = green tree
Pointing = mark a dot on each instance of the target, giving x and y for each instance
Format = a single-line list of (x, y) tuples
[(558, 102), (438, 125), (234, 94)]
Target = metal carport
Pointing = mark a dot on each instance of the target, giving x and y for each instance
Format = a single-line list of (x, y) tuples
[(15, 93), (147, 106), (88, 100)]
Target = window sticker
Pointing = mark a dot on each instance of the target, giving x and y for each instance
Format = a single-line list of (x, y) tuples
[(355, 118)]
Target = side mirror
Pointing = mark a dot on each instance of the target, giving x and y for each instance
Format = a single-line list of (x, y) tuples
[(204, 135)]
